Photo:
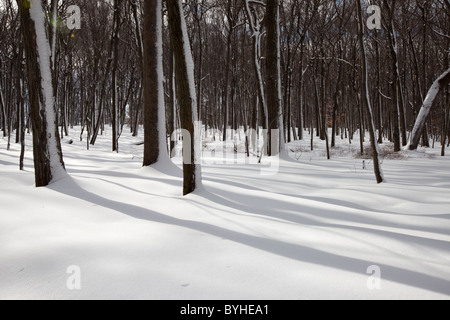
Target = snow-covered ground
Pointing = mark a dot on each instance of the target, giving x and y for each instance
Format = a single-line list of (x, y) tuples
[(317, 229)]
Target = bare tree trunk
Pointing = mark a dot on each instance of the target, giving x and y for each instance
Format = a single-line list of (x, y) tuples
[(273, 76), (115, 98), (48, 159), (137, 112), (3, 107), (361, 120), (226, 109), (424, 8), (140, 46), (445, 127), (172, 100), (185, 93), (2, 103), (301, 93), (256, 29), (336, 100), (378, 95), (260, 87), (153, 81), (395, 82), (401, 107), (198, 16), (322, 108), (138, 32), (20, 112), (98, 124), (21, 125), (366, 99)]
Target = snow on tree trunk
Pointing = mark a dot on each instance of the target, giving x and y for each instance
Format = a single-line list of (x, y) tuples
[(48, 159), (185, 87), (155, 139), (190, 67), (437, 87), (43, 47)]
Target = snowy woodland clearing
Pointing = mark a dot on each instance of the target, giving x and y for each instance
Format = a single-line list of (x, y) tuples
[(311, 231)]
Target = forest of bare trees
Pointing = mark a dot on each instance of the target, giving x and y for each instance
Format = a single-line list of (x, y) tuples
[(293, 65)]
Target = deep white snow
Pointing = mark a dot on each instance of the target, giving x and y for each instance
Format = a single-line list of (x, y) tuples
[(311, 231)]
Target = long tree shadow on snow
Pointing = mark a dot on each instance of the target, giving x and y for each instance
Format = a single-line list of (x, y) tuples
[(307, 214), (297, 252)]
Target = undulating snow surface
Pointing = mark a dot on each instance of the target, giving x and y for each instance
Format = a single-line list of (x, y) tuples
[(311, 231)]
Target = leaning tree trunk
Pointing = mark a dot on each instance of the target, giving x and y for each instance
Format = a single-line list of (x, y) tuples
[(48, 159), (185, 87), (366, 99), (437, 87)]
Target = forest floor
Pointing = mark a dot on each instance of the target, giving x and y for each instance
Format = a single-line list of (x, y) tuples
[(309, 228)]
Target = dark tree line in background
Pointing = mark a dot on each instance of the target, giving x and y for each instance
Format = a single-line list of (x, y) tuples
[(98, 70)]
